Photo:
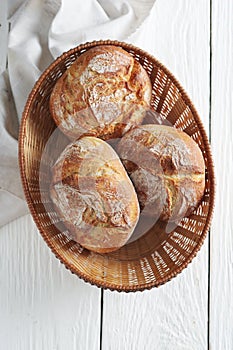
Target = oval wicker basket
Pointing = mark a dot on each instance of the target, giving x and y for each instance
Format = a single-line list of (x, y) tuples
[(152, 259)]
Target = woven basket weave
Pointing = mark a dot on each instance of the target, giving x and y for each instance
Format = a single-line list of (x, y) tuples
[(152, 259)]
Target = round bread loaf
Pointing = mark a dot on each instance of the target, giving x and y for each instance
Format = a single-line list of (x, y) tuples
[(104, 93), (94, 196), (167, 169)]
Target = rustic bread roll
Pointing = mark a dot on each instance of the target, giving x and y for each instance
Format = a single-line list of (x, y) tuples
[(167, 169), (104, 93), (94, 196)]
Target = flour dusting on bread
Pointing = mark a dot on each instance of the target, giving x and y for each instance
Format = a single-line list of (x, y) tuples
[(167, 169), (93, 195), (110, 86)]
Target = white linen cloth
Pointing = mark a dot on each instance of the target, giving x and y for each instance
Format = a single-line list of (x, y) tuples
[(40, 31)]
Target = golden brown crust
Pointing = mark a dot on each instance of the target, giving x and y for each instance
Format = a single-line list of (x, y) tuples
[(104, 93), (94, 196), (167, 169)]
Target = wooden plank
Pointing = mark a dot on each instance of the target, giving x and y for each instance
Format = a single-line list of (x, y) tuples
[(174, 316), (3, 36), (221, 311), (42, 305)]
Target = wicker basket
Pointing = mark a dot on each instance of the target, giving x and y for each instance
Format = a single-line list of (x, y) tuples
[(152, 259)]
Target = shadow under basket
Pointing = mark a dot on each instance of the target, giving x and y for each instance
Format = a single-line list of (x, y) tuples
[(152, 259)]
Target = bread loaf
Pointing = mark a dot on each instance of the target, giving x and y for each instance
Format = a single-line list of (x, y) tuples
[(104, 93), (167, 169), (94, 196)]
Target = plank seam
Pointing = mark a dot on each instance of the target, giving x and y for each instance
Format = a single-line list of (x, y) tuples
[(101, 316)]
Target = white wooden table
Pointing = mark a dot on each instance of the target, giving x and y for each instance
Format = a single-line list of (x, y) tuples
[(44, 307)]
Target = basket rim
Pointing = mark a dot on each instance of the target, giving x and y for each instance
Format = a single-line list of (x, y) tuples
[(21, 159)]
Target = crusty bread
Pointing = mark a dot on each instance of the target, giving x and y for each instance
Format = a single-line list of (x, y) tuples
[(104, 93), (167, 169), (94, 196)]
